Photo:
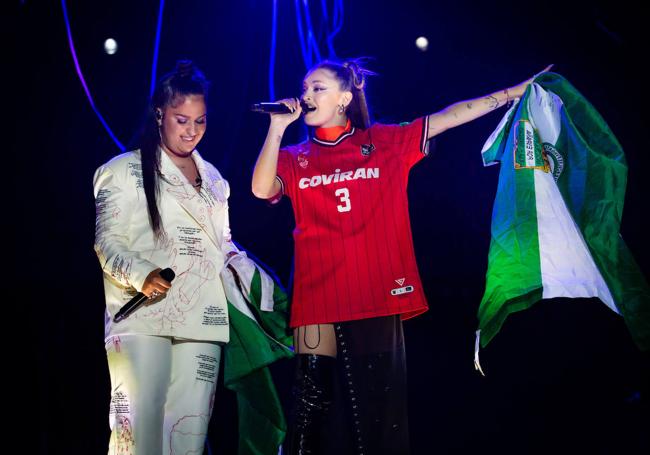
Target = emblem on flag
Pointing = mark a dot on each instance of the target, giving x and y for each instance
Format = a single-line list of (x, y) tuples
[(555, 160), (528, 148)]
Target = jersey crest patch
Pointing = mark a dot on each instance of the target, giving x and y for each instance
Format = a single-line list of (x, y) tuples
[(302, 160), (366, 149)]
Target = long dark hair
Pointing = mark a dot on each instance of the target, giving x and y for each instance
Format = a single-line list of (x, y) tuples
[(352, 77), (173, 87)]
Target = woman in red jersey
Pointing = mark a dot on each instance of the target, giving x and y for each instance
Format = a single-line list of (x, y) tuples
[(355, 273)]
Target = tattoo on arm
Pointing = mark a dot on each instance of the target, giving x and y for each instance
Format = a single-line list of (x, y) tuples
[(492, 102), (469, 105)]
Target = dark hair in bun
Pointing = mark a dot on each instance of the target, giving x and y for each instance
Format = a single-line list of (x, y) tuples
[(172, 88)]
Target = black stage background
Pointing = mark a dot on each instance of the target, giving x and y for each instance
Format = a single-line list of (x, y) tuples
[(562, 377)]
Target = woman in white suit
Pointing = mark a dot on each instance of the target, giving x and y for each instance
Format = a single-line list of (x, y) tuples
[(164, 206)]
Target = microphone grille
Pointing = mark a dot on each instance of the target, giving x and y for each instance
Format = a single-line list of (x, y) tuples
[(168, 274)]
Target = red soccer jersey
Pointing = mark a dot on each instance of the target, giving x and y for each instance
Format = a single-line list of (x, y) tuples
[(354, 252)]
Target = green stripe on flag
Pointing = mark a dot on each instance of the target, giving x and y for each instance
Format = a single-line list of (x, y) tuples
[(255, 344), (514, 280), (593, 187)]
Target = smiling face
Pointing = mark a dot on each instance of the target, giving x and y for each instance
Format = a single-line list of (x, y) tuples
[(322, 91), (183, 125)]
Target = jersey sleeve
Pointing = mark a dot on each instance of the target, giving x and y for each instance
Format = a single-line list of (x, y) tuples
[(285, 175), (408, 140)]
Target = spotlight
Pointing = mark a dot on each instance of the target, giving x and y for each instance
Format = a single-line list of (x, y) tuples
[(422, 43), (110, 46)]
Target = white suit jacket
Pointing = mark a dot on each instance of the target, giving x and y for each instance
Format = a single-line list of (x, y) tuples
[(195, 242)]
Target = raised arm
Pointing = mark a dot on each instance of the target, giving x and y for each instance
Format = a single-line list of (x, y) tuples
[(466, 111), (264, 184)]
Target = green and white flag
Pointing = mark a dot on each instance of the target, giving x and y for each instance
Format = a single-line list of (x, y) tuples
[(557, 213), (259, 336)]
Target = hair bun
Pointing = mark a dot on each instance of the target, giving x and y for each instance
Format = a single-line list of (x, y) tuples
[(184, 68), (358, 74)]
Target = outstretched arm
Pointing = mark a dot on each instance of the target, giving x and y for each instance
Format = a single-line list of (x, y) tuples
[(466, 111)]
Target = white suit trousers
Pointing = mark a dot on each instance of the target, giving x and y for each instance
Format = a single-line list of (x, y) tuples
[(162, 393)]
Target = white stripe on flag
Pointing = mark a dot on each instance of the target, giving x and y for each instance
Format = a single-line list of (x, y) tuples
[(568, 270), (544, 108)]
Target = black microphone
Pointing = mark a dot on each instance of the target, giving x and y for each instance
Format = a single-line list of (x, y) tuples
[(270, 108), (137, 301), (277, 108)]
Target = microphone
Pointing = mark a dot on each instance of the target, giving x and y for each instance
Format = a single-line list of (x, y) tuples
[(137, 301), (270, 108), (277, 108)]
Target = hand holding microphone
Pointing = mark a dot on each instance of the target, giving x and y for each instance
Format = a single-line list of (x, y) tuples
[(283, 112), (285, 106), (156, 284)]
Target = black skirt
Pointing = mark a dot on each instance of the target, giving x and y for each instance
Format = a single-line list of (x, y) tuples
[(369, 414)]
